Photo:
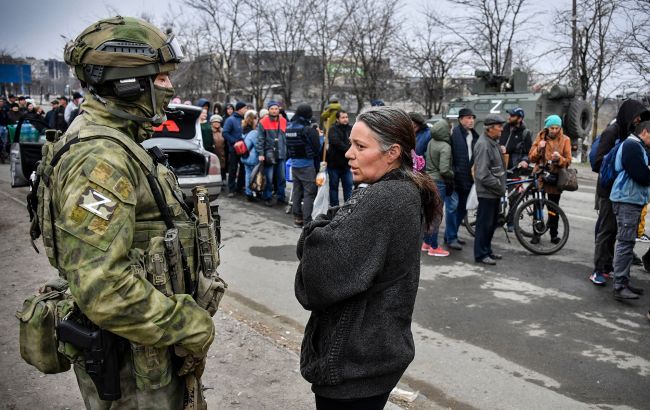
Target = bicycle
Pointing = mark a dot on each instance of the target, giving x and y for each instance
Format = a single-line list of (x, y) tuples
[(529, 214)]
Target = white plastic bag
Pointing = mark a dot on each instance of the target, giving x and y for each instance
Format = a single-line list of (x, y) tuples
[(322, 201), (472, 199)]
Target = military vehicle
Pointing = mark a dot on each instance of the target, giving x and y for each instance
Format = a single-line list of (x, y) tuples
[(495, 94)]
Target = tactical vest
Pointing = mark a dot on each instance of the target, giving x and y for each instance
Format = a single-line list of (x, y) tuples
[(297, 145)]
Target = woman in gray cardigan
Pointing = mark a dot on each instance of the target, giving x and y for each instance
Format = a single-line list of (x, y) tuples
[(359, 269)]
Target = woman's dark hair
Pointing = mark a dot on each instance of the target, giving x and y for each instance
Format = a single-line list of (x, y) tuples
[(393, 126), (218, 108)]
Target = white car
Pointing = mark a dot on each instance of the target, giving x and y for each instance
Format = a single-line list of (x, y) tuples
[(180, 139)]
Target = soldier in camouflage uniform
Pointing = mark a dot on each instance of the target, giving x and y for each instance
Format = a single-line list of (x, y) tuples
[(103, 228)]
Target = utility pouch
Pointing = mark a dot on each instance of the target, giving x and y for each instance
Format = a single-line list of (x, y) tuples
[(209, 292), (157, 267), (152, 366), (38, 320)]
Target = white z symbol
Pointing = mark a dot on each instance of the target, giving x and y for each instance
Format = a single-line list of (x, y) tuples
[(495, 109), (94, 206)]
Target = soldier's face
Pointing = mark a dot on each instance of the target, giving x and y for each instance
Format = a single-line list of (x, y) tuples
[(467, 122), (367, 161), (163, 80)]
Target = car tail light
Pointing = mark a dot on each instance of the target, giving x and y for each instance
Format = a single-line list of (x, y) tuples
[(213, 168)]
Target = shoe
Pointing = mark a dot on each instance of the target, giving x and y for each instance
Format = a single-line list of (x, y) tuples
[(425, 247), (496, 256), (597, 279), (624, 294), (637, 261), (268, 203), (635, 290), (555, 240), (437, 252), (251, 198), (297, 223), (460, 241), (643, 238), (487, 261), (231, 195), (535, 240), (455, 245)]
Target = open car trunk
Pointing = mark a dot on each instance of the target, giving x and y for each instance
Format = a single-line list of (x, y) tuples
[(187, 163)]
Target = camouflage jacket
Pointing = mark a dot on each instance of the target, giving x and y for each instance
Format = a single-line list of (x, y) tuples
[(105, 218)]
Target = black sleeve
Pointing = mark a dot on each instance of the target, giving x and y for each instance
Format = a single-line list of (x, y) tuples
[(607, 142), (338, 140), (634, 164)]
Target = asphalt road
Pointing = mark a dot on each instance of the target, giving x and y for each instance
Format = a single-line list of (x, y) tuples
[(532, 332)]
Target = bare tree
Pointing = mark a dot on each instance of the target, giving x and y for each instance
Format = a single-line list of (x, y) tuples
[(370, 32), (327, 41), (259, 83), (222, 23), (430, 60), (487, 28), (637, 13), (287, 27)]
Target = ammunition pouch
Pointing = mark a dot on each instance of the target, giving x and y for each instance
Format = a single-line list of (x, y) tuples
[(152, 366), (209, 292), (38, 320)]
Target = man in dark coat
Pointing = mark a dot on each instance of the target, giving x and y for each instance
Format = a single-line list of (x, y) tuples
[(337, 164), (232, 132), (463, 138)]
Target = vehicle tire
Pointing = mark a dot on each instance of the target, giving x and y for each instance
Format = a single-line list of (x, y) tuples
[(525, 223), (469, 221), (579, 119)]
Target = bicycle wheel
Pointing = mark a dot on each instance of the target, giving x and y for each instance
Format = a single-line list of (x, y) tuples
[(532, 226), (470, 221), (527, 231)]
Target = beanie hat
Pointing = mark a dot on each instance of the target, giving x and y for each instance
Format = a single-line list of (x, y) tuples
[(466, 112), (216, 118), (304, 110), (264, 112), (239, 105), (552, 120), (272, 103)]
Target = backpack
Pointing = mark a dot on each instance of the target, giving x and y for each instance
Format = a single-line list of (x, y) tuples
[(593, 153), (608, 171)]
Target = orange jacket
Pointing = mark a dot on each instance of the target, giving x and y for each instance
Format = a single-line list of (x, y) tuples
[(540, 156)]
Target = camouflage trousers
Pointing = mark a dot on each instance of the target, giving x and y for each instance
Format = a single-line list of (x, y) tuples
[(169, 397)]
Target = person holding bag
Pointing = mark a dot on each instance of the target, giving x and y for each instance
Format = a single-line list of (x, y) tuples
[(271, 149), (251, 160), (551, 146)]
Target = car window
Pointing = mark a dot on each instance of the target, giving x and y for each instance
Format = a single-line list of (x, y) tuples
[(181, 123)]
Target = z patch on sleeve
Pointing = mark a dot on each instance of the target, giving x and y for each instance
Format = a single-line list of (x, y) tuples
[(97, 203)]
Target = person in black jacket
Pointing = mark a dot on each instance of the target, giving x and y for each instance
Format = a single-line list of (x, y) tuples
[(337, 165), (463, 138), (629, 115), (359, 269)]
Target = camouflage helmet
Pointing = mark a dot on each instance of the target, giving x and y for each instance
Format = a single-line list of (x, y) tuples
[(119, 48)]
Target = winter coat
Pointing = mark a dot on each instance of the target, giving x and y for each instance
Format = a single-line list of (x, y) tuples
[(339, 144), (541, 156), (422, 138), (272, 137), (219, 146), (358, 275), (232, 131), (489, 169), (517, 141), (328, 116), (463, 179), (206, 136), (251, 141), (438, 154), (617, 131), (632, 184)]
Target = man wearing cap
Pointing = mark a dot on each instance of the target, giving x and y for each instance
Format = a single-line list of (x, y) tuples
[(490, 180), (51, 115), (77, 98), (516, 138), (271, 147), (232, 132), (463, 139)]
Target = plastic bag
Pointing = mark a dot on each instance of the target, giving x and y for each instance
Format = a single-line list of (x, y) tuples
[(257, 178), (472, 199), (322, 201)]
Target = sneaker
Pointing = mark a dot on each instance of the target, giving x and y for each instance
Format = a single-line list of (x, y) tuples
[(635, 290), (455, 245), (598, 279), (297, 222), (461, 241), (624, 294), (487, 261), (496, 256), (425, 247), (437, 252), (643, 238)]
